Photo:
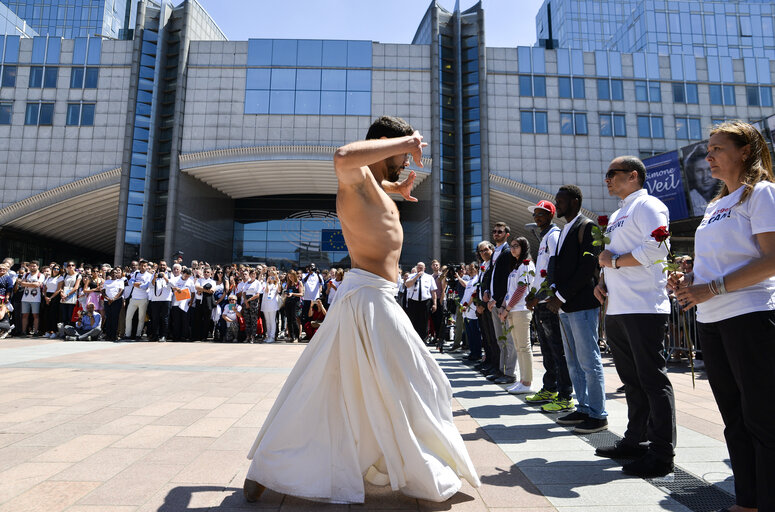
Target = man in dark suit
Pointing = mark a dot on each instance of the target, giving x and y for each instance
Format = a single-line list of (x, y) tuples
[(502, 265), (489, 342), (574, 279)]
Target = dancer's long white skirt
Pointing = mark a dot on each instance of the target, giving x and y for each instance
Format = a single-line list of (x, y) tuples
[(365, 400)]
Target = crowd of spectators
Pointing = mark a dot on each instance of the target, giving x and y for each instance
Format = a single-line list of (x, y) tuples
[(157, 302)]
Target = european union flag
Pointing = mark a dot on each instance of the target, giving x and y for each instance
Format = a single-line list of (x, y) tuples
[(332, 240)]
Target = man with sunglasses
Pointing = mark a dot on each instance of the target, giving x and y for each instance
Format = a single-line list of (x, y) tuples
[(636, 318)]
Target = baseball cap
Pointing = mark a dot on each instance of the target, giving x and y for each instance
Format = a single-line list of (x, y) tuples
[(544, 205)]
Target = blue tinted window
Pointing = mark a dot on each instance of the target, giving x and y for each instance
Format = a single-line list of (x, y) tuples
[(283, 79), (310, 53), (359, 54), (46, 114), (729, 95), (284, 52), (603, 92), (38, 50), (137, 171), (691, 94), (31, 113), (617, 90), (525, 85), (716, 97), (679, 96), (36, 76), (620, 127), (578, 88), (132, 237), (50, 77), (334, 80), (259, 52), (526, 121), (566, 123), (134, 224), (256, 102), (565, 87), (657, 129), (332, 102), (541, 122), (92, 78), (606, 125), (681, 129), (359, 103), (73, 114), (87, 114), (11, 49), (695, 129), (258, 78), (641, 91), (335, 53), (581, 124), (752, 94), (9, 76), (5, 113), (134, 210), (358, 80), (95, 49), (539, 86), (307, 102), (766, 96), (655, 92), (281, 102), (308, 79), (76, 78), (54, 47), (644, 127)]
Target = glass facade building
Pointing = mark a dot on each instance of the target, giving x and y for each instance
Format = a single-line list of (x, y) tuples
[(76, 18)]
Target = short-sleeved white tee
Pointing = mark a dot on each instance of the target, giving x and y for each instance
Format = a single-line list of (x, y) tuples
[(32, 294), (230, 311), (725, 242)]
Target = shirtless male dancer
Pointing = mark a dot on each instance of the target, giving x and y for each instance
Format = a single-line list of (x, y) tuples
[(363, 419)]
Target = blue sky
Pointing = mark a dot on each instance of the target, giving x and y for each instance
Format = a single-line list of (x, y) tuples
[(507, 22)]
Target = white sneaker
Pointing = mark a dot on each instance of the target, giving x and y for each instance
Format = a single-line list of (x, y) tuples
[(519, 389)]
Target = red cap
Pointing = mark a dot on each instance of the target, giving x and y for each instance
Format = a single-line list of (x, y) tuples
[(544, 205)]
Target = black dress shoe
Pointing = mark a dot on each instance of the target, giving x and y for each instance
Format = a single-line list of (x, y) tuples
[(648, 466), (497, 374), (621, 450), (506, 379)]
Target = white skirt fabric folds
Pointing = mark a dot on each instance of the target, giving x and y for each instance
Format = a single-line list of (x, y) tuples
[(365, 400)]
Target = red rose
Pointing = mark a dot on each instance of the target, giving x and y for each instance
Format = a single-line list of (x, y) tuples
[(660, 234), (602, 220), (543, 272), (526, 262)]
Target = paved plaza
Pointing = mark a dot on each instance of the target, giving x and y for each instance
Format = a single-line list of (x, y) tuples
[(108, 427)]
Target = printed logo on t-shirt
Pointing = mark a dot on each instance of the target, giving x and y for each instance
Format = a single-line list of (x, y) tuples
[(716, 215), (619, 223)]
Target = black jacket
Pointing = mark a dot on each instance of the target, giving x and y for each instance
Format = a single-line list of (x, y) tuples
[(574, 274), (503, 267)]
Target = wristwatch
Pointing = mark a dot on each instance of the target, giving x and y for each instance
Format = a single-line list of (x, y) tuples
[(614, 259)]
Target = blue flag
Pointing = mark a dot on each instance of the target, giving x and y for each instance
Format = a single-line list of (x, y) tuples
[(332, 240)]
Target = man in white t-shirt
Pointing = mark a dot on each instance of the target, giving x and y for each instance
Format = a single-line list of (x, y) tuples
[(160, 295), (179, 317), (421, 300), (636, 319), (31, 285), (138, 285), (312, 283)]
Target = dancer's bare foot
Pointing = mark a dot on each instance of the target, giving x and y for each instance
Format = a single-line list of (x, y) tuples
[(252, 490)]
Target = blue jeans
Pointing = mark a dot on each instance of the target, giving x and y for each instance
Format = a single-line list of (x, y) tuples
[(474, 338), (585, 366)]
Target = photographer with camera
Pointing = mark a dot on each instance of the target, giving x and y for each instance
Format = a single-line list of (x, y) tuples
[(312, 283), (138, 299), (315, 316), (457, 279), (439, 297), (160, 302), (88, 328)]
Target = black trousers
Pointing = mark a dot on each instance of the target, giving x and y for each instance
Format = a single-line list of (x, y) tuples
[(160, 318), (419, 311), (201, 328), (637, 343), (438, 318), (492, 352), (739, 355), (556, 377), (112, 314), (180, 329)]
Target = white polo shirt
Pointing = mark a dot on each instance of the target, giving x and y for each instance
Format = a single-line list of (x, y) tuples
[(639, 289), (426, 282), (312, 286)]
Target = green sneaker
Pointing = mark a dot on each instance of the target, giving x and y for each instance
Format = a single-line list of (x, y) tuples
[(541, 397), (559, 405)]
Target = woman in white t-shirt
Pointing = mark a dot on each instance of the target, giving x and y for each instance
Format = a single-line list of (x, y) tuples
[(270, 303), (112, 290), (333, 285), (231, 312), (68, 291), (733, 287), (50, 303), (470, 319), (515, 310)]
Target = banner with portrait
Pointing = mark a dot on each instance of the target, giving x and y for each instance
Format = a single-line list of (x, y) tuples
[(701, 186), (663, 181)]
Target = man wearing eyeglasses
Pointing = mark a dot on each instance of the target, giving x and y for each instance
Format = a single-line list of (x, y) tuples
[(502, 263), (636, 318)]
